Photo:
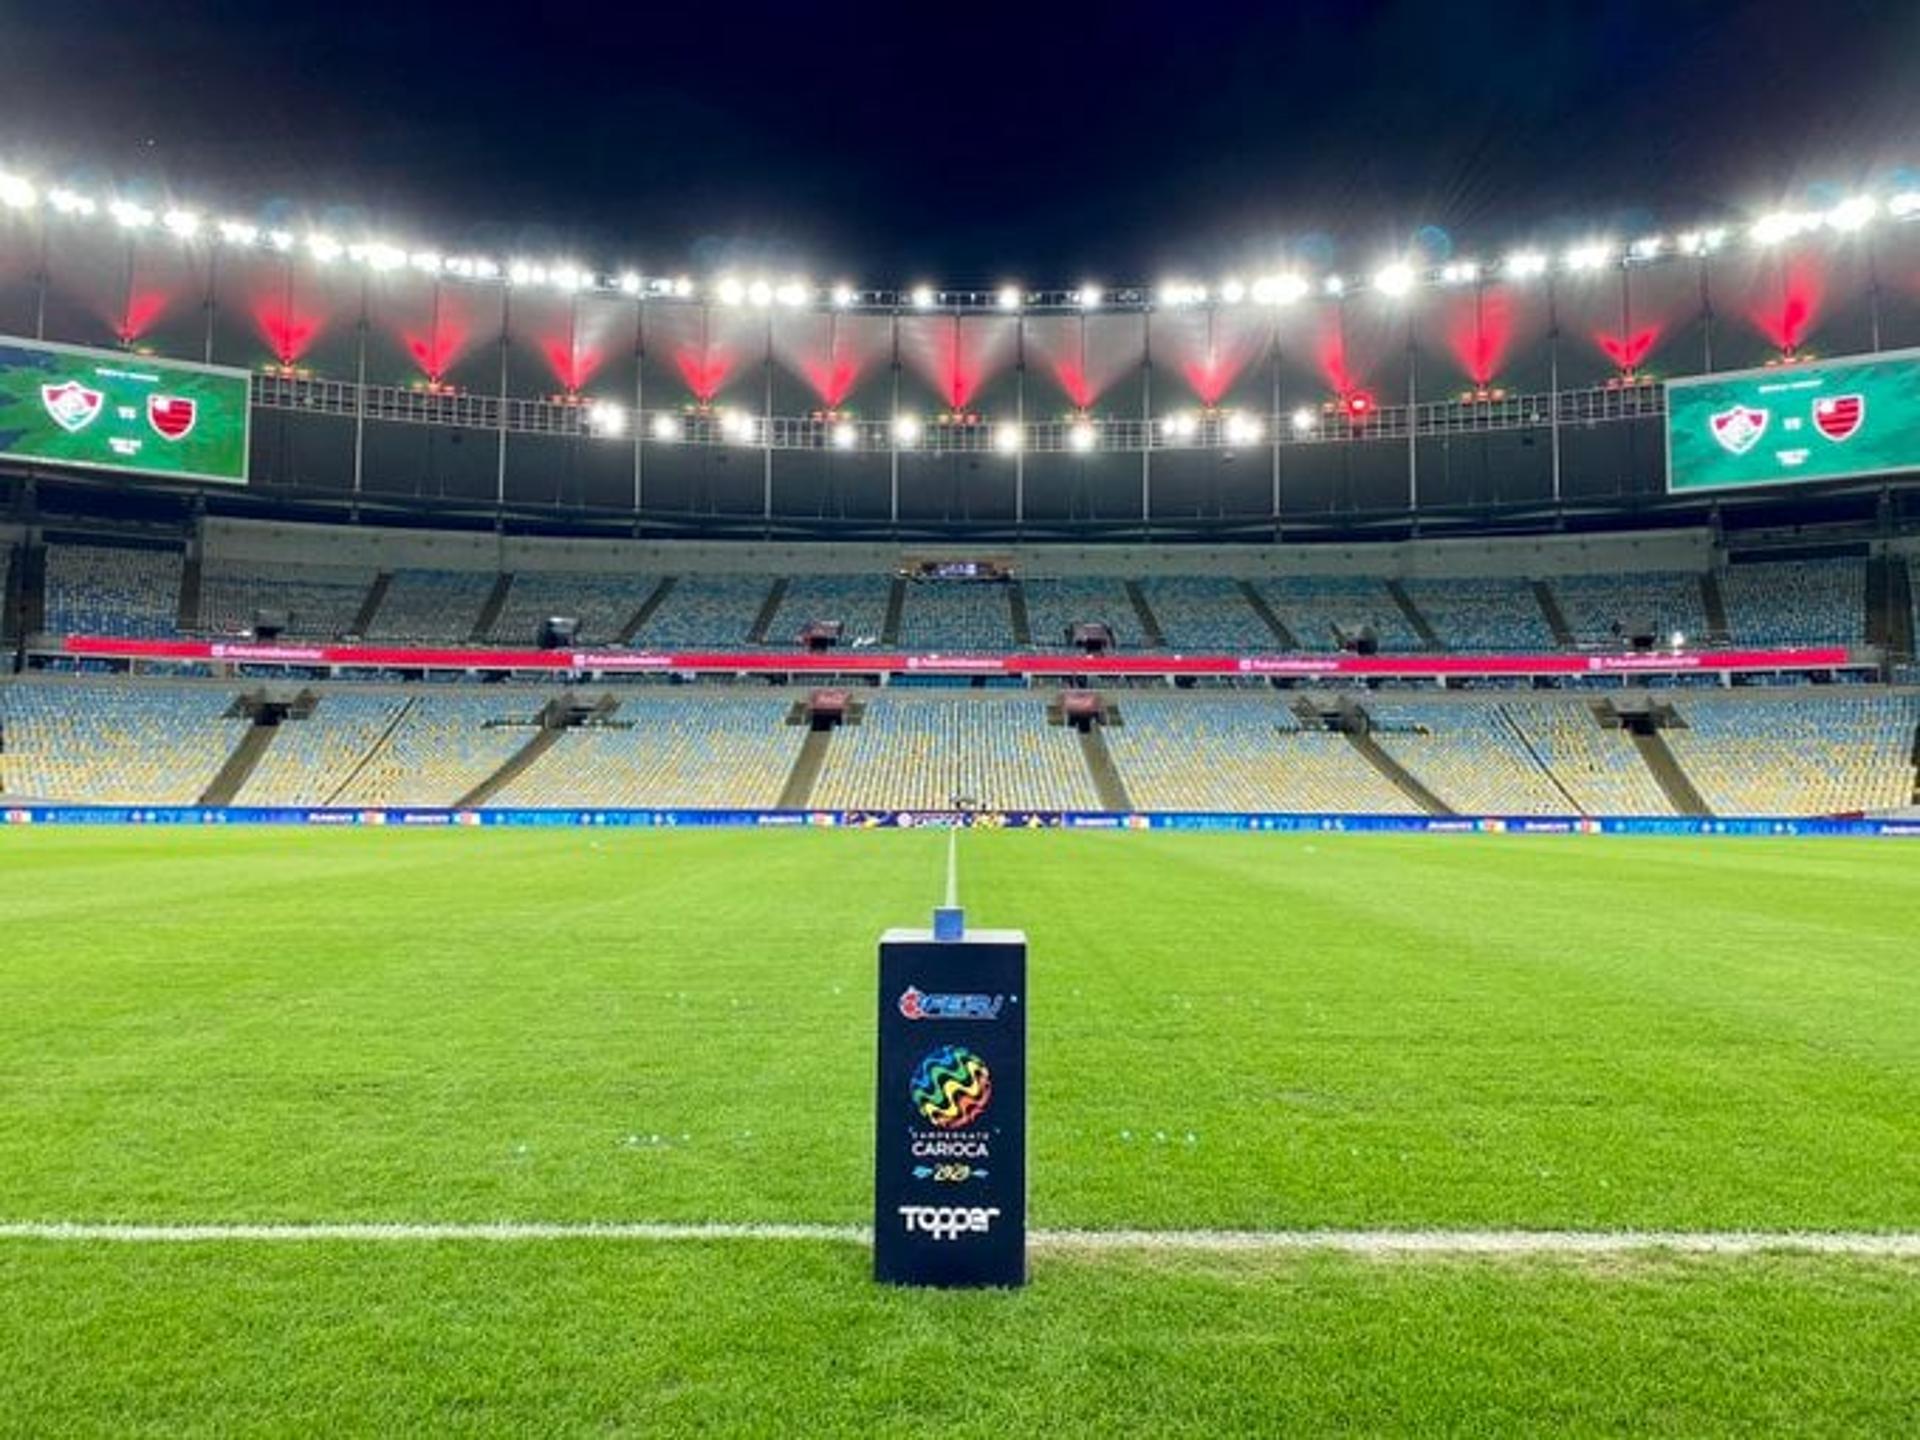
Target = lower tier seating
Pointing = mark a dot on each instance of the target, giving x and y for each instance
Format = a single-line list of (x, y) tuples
[(926, 754)]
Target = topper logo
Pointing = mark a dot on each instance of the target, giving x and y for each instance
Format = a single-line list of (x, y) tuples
[(949, 1222)]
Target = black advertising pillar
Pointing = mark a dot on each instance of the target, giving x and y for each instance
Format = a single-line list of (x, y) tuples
[(950, 1140)]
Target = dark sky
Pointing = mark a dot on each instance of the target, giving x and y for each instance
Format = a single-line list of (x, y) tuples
[(892, 143)]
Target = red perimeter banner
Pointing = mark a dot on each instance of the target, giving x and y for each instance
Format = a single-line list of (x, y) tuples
[(392, 657)]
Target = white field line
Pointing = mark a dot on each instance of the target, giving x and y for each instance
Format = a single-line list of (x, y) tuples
[(1902, 1244)]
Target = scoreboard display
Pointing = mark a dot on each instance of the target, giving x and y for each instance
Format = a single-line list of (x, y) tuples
[(1795, 424), (107, 410)]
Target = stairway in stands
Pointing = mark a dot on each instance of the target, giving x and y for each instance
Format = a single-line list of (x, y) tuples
[(807, 766), (1714, 599), (1149, 622), (1429, 637), (187, 617), (370, 607), (1398, 774), (1673, 781), (556, 718), (490, 612), (1268, 616), (1556, 617), (769, 607), (896, 605), (254, 744), (1017, 609), (637, 621), (1105, 775)]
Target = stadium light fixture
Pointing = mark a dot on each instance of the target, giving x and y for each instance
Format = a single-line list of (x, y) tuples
[(1081, 437), (1334, 286), (729, 291), (281, 240), (630, 283), (1280, 289), (793, 293), (378, 256), (567, 277), (1459, 272), (1232, 292), (607, 420), (1244, 429), (922, 297), (1778, 226), (842, 296), (1088, 297), (129, 216), (1008, 298), (737, 426), (1591, 256), (71, 202), (667, 428), (1182, 292), (846, 435), (906, 430), (682, 287), (1395, 279), (1679, 640), (1006, 438), (760, 293), (1181, 426), (1647, 247), (17, 194), (1905, 205), (324, 248), (427, 262), (1303, 420), (1853, 213), (1524, 265), (238, 232), (183, 223)]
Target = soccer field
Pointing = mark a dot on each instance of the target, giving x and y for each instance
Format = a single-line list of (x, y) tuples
[(1244, 1032)]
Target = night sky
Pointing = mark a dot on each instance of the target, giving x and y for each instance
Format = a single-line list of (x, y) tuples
[(894, 143)]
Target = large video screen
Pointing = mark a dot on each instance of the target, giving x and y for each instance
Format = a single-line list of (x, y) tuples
[(64, 405), (1793, 424)]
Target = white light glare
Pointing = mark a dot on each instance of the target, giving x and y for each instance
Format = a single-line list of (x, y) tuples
[(1459, 272), (1183, 426), (1524, 264), (1303, 420), (922, 297), (737, 426), (17, 194), (1009, 297), (1905, 205), (183, 223), (1679, 640), (238, 232), (1395, 279), (845, 435), (1781, 225), (1089, 297), (71, 202), (1232, 291), (629, 283), (1334, 286), (281, 240), (730, 291), (1080, 436), (760, 293), (1852, 213), (567, 277), (682, 287), (843, 296), (1647, 247), (325, 248), (666, 428), (378, 256), (1006, 438), (1182, 292), (607, 420), (130, 216), (1279, 289), (1244, 429), (793, 293), (427, 262), (906, 430), (1590, 256)]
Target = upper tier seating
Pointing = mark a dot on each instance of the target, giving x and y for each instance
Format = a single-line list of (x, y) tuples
[(1310, 606), (722, 751), (110, 742), (321, 601), (1796, 602), (1798, 755), (707, 611), (1483, 614), (1053, 605), (603, 604), (444, 746), (111, 590), (1469, 755), (956, 616), (858, 602), (1593, 604), (923, 754), (1197, 614), (6, 571), (441, 605), (1240, 754), (310, 759), (1600, 768)]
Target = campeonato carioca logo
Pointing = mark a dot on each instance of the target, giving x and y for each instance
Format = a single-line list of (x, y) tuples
[(951, 1087)]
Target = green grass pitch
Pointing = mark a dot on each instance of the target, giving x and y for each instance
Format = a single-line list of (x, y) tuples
[(1254, 1032)]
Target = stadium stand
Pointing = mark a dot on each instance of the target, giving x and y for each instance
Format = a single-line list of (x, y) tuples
[(1469, 754), (113, 742), (6, 578), (859, 602), (707, 611), (113, 590), (603, 604), (926, 754), (688, 749), (1799, 602), (1798, 755), (1599, 768), (310, 759), (1199, 614), (320, 601), (1312, 605), (432, 605), (1483, 614), (1204, 753), (443, 747), (1053, 605), (1593, 604), (944, 616)]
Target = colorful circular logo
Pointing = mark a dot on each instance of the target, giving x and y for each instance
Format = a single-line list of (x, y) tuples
[(951, 1087)]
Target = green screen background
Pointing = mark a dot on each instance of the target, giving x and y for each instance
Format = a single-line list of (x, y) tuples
[(215, 449), (1888, 438)]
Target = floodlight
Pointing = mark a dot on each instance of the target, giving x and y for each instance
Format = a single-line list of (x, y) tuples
[(1524, 265), (1182, 426), (606, 419), (666, 428), (729, 291), (1303, 420), (1395, 279), (324, 248), (629, 283), (922, 297), (1244, 429), (238, 232), (1089, 296), (1459, 272), (1080, 436), (760, 293), (906, 430), (1009, 297), (130, 216), (1852, 213), (1006, 438), (846, 435), (183, 223), (843, 296), (71, 202), (1232, 291), (17, 194)]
